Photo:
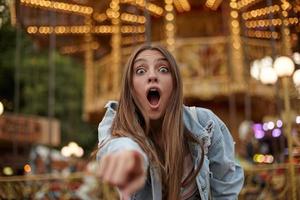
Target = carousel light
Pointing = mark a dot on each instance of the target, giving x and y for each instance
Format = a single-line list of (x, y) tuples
[(72, 149), (268, 75), (1, 108), (298, 120), (185, 4), (296, 57), (268, 159), (284, 66), (235, 23), (234, 14), (258, 131), (296, 78), (169, 16), (267, 61), (255, 69), (279, 123), (27, 168), (8, 171), (233, 5), (170, 27), (276, 132), (271, 125), (65, 151), (265, 126)]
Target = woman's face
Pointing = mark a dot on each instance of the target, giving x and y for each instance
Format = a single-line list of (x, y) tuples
[(152, 82)]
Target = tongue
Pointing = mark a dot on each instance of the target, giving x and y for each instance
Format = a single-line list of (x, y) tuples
[(153, 99)]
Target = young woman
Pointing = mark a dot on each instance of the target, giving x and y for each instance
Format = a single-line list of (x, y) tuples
[(151, 146)]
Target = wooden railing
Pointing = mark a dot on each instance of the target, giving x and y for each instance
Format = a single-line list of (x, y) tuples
[(265, 182), (269, 182), (50, 186)]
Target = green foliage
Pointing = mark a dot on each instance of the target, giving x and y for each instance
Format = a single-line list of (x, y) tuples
[(34, 76)]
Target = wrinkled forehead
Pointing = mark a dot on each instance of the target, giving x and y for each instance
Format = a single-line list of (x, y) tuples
[(149, 54)]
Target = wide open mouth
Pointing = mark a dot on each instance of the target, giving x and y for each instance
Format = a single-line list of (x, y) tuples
[(153, 96)]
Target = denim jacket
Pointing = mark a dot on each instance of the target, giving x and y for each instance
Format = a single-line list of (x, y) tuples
[(220, 177)]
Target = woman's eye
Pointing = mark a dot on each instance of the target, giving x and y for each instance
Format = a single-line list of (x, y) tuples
[(140, 71), (164, 69)]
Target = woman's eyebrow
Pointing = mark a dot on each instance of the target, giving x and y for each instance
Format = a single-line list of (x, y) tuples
[(139, 60), (162, 59)]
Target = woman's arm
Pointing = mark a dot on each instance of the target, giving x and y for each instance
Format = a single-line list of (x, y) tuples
[(122, 162)]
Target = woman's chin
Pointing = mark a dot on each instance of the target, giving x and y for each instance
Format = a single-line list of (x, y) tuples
[(155, 116)]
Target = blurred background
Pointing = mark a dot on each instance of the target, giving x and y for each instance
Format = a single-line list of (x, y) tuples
[(61, 61)]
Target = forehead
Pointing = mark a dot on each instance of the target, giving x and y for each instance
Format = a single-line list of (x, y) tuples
[(149, 55)]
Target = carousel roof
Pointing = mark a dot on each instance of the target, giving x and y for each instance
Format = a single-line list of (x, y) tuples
[(202, 28), (194, 18)]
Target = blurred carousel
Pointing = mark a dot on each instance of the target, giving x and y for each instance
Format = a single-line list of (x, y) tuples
[(239, 58)]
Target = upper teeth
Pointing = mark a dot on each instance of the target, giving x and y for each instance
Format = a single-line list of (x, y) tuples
[(153, 89)]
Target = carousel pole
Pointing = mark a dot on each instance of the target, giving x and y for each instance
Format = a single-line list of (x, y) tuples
[(147, 25), (287, 51), (116, 45), (89, 69), (17, 77), (236, 61), (51, 86), (237, 57)]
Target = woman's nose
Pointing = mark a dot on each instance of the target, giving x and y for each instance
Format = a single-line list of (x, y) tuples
[(152, 77)]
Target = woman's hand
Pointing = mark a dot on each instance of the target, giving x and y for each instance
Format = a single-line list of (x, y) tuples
[(124, 169)]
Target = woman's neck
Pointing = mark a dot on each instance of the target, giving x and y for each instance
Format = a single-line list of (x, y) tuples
[(155, 126), (155, 129)]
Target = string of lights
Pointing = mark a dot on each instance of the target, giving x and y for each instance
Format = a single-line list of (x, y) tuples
[(235, 26), (170, 25), (262, 34), (154, 9), (130, 40), (132, 29), (100, 17), (242, 4), (271, 22), (286, 34), (83, 29), (86, 10), (213, 4), (182, 5), (71, 49), (133, 18), (260, 12), (60, 6)]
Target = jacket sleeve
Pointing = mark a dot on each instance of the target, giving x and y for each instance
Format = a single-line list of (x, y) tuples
[(107, 144), (227, 176)]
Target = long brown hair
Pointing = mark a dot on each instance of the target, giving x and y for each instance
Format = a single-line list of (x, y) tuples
[(130, 121)]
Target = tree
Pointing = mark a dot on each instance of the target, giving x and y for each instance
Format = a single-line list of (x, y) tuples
[(34, 86)]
